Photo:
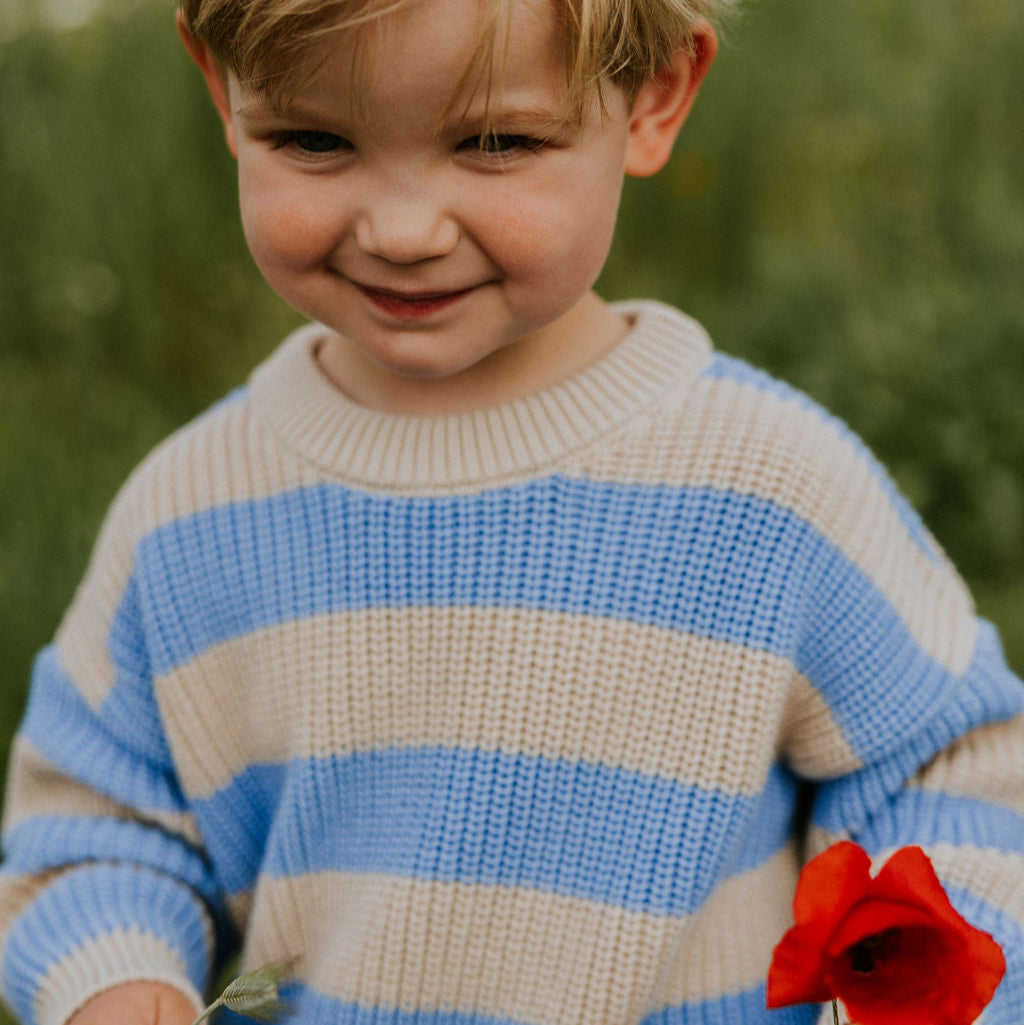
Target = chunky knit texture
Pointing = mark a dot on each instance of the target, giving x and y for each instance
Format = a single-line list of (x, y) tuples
[(522, 716)]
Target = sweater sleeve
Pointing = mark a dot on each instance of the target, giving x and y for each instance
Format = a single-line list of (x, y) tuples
[(104, 877), (907, 719)]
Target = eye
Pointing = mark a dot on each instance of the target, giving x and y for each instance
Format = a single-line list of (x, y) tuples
[(310, 141), (498, 144)]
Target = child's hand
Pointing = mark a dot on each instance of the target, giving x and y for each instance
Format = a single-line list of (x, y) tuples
[(137, 1003)]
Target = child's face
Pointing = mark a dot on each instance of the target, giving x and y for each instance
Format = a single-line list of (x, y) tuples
[(435, 263)]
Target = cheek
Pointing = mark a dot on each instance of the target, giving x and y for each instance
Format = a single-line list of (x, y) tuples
[(563, 235), (284, 227)]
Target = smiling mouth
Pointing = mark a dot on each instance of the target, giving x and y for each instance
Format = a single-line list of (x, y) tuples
[(412, 304)]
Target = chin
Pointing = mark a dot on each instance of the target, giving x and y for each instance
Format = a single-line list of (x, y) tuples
[(425, 373), (429, 362)]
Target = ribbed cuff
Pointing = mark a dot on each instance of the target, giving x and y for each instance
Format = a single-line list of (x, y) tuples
[(128, 956), (99, 926)]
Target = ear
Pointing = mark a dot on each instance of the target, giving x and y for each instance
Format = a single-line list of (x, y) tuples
[(216, 80), (663, 104)]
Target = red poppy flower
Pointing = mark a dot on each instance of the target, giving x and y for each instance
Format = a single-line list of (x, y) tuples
[(890, 947)]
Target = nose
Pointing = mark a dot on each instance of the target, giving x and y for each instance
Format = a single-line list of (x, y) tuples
[(406, 228)]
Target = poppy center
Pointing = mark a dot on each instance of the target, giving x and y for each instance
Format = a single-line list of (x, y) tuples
[(870, 952)]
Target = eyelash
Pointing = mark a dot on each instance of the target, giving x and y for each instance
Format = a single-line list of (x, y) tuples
[(506, 144), (292, 137), (496, 145)]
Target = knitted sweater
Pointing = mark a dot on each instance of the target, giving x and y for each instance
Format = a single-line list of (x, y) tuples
[(526, 715)]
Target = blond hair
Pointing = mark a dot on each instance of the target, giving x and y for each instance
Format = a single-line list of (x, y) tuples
[(266, 43)]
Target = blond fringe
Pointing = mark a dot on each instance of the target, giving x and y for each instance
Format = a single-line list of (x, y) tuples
[(267, 43)]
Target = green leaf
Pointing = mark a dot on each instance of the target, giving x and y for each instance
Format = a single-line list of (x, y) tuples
[(257, 994)]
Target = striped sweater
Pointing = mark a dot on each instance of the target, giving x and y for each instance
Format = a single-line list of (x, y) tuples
[(526, 715)]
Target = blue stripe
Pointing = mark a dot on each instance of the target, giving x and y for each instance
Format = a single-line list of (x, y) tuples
[(619, 837), (711, 563), (305, 1006), (45, 842), (695, 559), (309, 1007), (723, 367), (744, 1008), (130, 711), (233, 397), (927, 817), (989, 692), (92, 748), (92, 902)]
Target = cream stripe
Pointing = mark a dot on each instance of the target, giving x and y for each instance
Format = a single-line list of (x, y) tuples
[(36, 788), (539, 683), (224, 456), (729, 942), (811, 740), (732, 436), (986, 764), (531, 956), (819, 839), (81, 639), (123, 956)]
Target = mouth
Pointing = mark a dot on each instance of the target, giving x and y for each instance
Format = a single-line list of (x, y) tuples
[(412, 304)]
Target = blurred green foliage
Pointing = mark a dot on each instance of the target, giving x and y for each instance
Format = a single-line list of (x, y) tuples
[(845, 208)]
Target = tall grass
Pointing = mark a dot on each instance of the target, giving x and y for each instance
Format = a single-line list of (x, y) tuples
[(845, 208)]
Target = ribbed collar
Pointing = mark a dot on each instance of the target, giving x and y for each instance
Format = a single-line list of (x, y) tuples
[(662, 352)]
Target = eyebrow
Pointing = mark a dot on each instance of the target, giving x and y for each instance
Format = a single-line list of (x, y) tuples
[(257, 112), (534, 117)]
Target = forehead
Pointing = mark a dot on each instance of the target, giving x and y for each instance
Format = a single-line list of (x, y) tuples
[(471, 51)]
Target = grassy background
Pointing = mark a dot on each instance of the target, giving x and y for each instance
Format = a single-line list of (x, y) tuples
[(845, 208)]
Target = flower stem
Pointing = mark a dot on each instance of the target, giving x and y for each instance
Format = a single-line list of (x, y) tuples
[(209, 1010), (835, 1011)]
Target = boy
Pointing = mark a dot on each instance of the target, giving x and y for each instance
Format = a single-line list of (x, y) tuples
[(497, 655)]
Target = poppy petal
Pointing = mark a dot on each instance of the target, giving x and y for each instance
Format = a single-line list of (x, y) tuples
[(892, 947), (831, 883), (797, 972), (909, 876)]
